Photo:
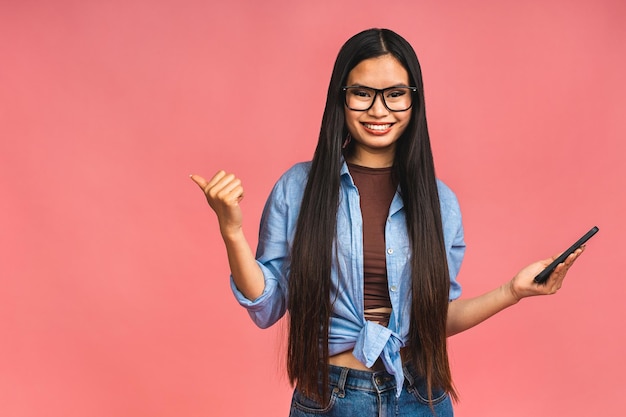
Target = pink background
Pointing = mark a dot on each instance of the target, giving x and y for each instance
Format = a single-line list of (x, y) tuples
[(114, 296)]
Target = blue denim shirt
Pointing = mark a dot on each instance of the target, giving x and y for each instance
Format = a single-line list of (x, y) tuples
[(348, 327)]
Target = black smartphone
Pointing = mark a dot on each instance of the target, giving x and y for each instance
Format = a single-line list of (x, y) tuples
[(543, 275)]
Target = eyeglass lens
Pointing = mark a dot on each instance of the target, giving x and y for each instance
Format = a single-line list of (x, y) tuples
[(395, 98)]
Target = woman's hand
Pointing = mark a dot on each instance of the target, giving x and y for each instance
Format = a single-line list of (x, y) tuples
[(224, 192), (522, 285), (466, 313)]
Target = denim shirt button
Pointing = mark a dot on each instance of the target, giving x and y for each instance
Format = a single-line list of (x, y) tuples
[(390, 251), (394, 288)]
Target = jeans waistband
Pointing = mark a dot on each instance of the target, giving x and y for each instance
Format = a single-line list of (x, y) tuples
[(341, 378)]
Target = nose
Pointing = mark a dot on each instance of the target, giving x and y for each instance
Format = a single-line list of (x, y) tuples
[(378, 108)]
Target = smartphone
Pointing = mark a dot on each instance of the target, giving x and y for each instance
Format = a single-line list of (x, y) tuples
[(543, 275)]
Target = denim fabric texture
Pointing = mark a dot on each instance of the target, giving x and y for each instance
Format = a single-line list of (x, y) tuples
[(357, 393), (348, 328)]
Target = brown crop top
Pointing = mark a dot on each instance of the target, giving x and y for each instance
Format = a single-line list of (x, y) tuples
[(376, 191)]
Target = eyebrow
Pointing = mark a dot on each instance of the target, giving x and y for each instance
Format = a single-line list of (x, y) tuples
[(372, 88)]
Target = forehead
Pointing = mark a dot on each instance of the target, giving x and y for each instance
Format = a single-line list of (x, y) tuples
[(380, 72)]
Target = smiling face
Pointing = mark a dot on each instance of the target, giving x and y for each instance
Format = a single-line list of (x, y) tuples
[(375, 131)]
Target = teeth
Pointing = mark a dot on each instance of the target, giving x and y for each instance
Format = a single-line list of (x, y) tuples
[(377, 127)]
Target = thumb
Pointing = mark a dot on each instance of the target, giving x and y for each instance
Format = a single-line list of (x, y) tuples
[(200, 181)]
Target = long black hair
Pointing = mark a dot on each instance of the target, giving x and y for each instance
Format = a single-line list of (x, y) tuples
[(312, 252)]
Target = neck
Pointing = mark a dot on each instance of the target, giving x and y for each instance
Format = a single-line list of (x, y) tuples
[(370, 160)]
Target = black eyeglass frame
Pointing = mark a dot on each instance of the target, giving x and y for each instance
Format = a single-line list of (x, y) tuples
[(376, 93)]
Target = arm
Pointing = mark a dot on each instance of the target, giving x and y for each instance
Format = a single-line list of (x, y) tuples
[(467, 313), (224, 193)]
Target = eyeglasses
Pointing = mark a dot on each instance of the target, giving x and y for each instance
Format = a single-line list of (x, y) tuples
[(394, 98)]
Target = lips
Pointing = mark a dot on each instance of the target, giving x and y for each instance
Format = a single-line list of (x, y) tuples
[(377, 127)]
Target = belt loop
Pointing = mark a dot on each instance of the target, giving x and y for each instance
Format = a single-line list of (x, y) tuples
[(408, 376), (341, 385)]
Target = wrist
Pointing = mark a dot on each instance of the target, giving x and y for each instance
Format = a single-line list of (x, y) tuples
[(232, 234), (510, 292)]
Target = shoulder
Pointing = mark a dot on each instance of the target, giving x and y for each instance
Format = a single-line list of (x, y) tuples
[(445, 192), (448, 200), (297, 173), (290, 186)]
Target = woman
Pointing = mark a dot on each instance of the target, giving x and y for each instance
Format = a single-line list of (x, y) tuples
[(362, 246)]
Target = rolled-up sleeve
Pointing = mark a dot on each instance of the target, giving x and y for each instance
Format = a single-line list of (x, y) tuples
[(453, 235), (455, 259), (272, 255)]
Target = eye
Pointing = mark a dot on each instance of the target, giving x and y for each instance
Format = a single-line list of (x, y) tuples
[(361, 92), (396, 93)]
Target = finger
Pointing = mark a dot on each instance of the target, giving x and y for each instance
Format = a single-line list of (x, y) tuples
[(201, 182), (563, 267), (219, 176), (569, 261), (229, 184), (231, 193), (221, 185), (559, 273), (206, 185)]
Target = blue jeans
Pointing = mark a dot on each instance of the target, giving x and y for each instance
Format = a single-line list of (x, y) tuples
[(357, 393)]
